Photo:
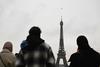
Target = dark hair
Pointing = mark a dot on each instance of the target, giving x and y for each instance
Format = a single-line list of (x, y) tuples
[(82, 42), (85, 49), (35, 31)]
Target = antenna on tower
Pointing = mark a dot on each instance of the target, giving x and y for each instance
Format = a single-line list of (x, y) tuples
[(61, 13), (61, 18), (61, 10)]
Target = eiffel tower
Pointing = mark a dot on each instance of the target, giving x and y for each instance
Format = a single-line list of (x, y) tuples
[(61, 53)]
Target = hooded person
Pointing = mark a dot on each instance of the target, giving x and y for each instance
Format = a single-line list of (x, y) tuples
[(35, 52), (7, 58)]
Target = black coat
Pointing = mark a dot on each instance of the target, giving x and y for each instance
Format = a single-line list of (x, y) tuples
[(85, 59)]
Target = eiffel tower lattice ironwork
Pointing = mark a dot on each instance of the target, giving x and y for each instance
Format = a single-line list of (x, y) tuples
[(61, 53)]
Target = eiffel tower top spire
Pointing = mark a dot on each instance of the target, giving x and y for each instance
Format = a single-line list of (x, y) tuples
[(61, 35)]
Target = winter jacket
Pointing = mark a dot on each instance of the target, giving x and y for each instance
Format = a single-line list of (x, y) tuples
[(42, 56), (8, 58)]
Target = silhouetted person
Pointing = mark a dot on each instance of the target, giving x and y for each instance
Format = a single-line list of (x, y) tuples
[(35, 52), (7, 58), (85, 56)]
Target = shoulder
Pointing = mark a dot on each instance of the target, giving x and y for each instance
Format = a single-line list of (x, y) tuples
[(46, 45), (74, 56), (5, 52)]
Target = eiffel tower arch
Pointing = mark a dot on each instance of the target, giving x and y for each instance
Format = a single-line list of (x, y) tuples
[(61, 53)]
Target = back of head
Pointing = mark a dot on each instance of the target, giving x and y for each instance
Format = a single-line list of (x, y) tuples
[(35, 31), (82, 42), (34, 35), (8, 45), (34, 39)]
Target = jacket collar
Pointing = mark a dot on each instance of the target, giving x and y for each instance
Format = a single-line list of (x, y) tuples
[(5, 51)]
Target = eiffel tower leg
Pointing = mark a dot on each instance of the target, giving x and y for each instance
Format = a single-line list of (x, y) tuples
[(57, 63), (65, 62)]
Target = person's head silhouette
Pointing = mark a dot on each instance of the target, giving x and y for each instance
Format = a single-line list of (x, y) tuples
[(82, 42), (34, 38), (35, 31)]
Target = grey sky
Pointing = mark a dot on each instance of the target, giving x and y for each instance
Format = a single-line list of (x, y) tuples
[(79, 17)]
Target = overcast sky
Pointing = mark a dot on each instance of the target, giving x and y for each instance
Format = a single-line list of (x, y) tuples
[(79, 17)]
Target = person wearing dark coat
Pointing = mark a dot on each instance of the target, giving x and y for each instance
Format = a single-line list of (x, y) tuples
[(85, 55), (35, 52)]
